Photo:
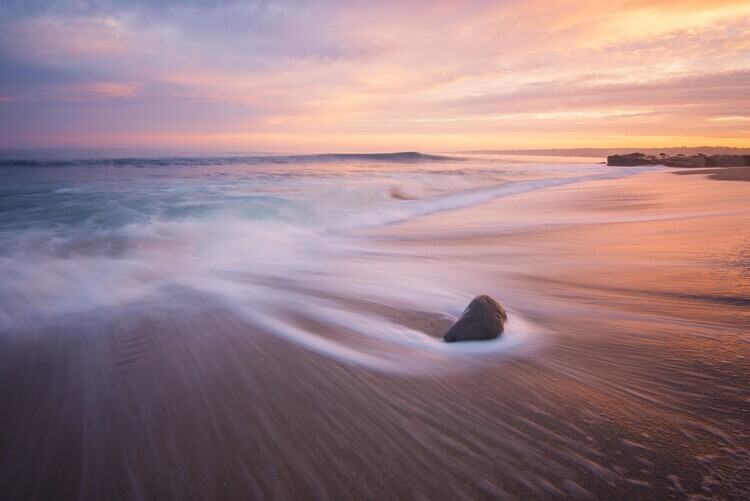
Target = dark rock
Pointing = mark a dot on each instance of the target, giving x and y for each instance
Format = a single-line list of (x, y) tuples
[(632, 159), (728, 160), (483, 319), (680, 160), (685, 161)]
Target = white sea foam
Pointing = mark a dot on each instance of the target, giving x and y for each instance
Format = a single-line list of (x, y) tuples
[(253, 238)]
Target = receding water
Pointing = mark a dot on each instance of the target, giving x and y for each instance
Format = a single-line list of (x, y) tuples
[(263, 235), (229, 325)]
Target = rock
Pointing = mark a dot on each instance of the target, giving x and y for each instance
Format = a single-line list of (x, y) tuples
[(699, 160), (632, 159), (683, 161), (483, 319), (728, 160)]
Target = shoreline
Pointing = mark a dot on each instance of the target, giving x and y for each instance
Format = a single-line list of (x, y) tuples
[(636, 383), (721, 173)]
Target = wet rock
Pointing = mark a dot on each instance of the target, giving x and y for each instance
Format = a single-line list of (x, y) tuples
[(685, 161), (699, 160), (483, 319), (728, 160), (632, 159)]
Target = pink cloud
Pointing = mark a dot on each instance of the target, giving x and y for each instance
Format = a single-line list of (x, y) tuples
[(395, 67)]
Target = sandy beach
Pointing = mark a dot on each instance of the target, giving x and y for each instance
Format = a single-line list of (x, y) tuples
[(634, 381), (722, 174)]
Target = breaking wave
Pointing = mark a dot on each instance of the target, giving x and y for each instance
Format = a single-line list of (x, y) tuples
[(289, 253), (179, 161)]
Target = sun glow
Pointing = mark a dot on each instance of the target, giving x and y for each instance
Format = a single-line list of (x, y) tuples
[(471, 75)]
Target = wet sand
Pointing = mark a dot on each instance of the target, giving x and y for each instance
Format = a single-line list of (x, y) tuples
[(635, 385), (722, 173)]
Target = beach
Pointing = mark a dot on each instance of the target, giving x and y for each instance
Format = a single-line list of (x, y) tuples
[(624, 371), (726, 174)]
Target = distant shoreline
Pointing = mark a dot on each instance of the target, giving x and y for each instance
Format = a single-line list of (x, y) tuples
[(604, 152)]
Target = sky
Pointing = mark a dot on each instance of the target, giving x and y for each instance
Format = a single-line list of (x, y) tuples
[(374, 75)]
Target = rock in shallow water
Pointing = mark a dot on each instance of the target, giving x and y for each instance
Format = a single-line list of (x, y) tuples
[(684, 161), (699, 160), (728, 160), (632, 159), (483, 319)]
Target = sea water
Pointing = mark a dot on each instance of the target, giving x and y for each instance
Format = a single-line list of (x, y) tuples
[(234, 325), (262, 234)]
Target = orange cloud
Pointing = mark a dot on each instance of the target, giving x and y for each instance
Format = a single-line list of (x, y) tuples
[(456, 73)]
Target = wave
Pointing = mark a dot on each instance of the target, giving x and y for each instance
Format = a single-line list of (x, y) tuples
[(104, 245), (291, 255), (408, 207), (398, 157)]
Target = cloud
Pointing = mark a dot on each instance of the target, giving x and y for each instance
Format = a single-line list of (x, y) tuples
[(378, 68), (47, 38), (585, 92)]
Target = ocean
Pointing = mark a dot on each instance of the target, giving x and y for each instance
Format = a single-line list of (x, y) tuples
[(265, 235), (264, 325)]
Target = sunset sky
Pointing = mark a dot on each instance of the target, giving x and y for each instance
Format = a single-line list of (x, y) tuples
[(376, 75)]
